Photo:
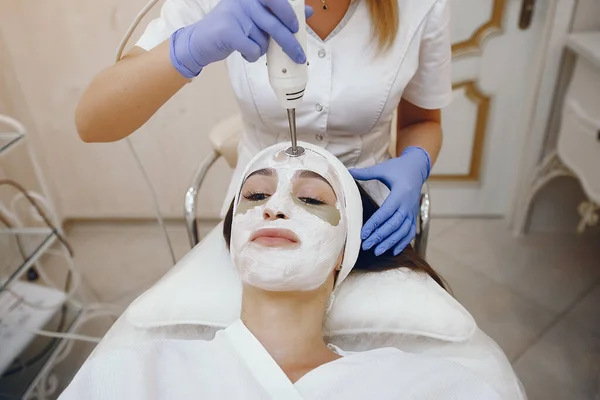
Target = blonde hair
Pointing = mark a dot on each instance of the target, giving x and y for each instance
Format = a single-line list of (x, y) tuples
[(384, 14)]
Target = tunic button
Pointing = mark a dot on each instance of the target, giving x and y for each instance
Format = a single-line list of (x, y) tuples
[(322, 53), (319, 137), (319, 107)]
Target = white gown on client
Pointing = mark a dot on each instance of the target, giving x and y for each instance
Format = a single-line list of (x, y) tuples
[(234, 365)]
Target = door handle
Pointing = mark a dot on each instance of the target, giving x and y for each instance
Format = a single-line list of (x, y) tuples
[(527, 11)]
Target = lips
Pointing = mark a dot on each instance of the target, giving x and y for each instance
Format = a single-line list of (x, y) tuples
[(275, 237)]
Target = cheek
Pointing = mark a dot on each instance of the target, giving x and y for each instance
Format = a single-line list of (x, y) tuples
[(242, 227), (321, 237)]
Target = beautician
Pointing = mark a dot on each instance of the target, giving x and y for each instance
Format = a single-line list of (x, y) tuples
[(366, 58)]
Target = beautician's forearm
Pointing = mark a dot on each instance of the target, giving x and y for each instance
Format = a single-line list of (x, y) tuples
[(427, 134), (124, 96)]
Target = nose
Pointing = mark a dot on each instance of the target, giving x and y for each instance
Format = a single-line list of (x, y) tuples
[(270, 214)]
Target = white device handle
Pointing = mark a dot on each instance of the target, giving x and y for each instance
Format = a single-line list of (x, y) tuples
[(288, 78)]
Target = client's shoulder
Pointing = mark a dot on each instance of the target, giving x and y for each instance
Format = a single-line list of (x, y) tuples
[(421, 376), (145, 353), (128, 371)]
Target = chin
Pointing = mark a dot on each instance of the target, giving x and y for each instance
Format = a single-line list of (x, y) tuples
[(278, 286)]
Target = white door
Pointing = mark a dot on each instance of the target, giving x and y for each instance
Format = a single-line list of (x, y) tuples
[(495, 74)]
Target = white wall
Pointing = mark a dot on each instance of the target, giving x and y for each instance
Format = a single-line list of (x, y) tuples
[(555, 209), (52, 50)]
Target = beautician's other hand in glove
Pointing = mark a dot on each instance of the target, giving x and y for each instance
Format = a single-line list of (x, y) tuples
[(394, 224), (236, 25), (419, 140)]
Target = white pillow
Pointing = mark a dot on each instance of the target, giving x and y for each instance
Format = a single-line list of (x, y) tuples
[(204, 289)]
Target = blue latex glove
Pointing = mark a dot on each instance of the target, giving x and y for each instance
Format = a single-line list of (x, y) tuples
[(394, 224), (236, 25)]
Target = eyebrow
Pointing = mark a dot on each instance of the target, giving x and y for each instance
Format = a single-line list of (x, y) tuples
[(310, 174), (303, 174), (263, 172)]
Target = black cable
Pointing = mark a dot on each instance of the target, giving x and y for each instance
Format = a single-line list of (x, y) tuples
[(68, 280)]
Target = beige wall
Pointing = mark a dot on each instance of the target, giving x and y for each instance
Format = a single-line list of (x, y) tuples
[(52, 51)]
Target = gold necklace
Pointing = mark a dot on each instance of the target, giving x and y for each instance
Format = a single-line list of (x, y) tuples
[(324, 2)]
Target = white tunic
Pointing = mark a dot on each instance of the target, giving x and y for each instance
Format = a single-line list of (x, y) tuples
[(352, 89), (235, 366)]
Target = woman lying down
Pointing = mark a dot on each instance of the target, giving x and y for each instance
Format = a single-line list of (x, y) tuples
[(294, 234)]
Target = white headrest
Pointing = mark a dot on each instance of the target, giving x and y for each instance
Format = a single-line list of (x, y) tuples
[(204, 289)]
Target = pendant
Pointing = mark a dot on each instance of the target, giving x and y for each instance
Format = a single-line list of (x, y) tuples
[(324, 7)]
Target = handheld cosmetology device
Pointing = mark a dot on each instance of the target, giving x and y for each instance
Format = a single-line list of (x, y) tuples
[(289, 78)]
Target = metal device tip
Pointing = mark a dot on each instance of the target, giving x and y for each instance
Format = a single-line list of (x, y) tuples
[(291, 152), (294, 150)]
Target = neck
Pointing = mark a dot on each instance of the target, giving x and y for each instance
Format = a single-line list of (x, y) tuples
[(289, 325)]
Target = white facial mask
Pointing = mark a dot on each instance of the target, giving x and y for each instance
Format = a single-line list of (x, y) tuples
[(321, 229)]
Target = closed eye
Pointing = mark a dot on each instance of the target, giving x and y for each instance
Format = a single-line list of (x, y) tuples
[(313, 201), (256, 196)]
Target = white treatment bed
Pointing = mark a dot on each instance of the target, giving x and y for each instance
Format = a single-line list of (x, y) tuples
[(399, 308)]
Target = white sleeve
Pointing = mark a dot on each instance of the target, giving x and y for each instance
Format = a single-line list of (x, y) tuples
[(116, 375), (174, 14), (431, 86)]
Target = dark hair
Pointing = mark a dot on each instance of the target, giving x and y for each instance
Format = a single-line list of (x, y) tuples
[(367, 260)]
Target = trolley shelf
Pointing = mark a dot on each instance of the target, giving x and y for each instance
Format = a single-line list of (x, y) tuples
[(7, 140), (20, 249)]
